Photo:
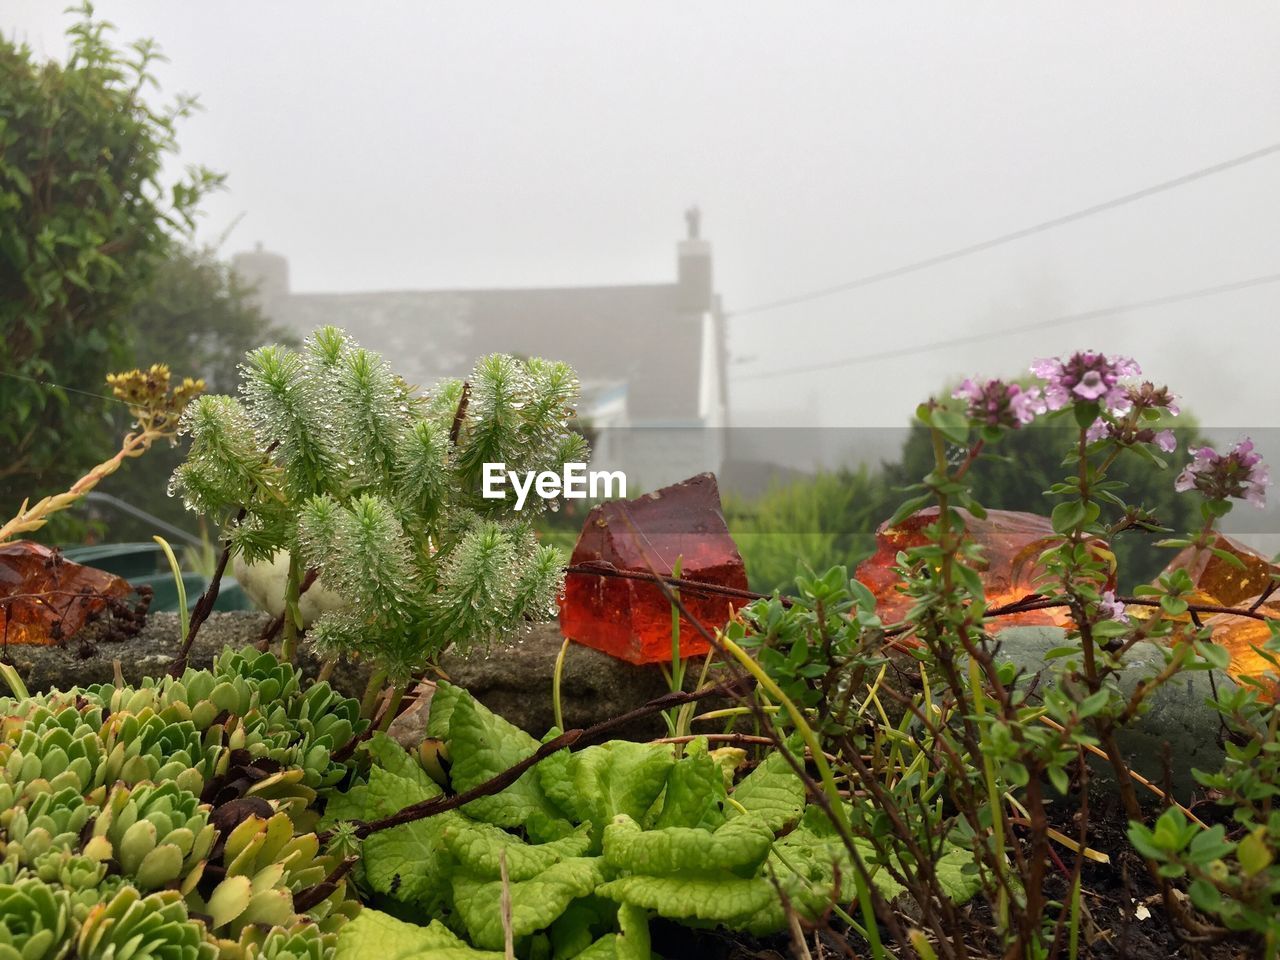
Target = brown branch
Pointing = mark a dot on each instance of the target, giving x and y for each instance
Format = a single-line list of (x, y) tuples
[(204, 606), (456, 430), (598, 568)]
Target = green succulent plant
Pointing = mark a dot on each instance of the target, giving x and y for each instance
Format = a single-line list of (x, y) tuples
[(130, 926), (35, 921), (158, 834), (172, 819)]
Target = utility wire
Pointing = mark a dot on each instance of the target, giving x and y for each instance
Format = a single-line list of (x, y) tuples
[(960, 252), (1063, 320), (50, 385)]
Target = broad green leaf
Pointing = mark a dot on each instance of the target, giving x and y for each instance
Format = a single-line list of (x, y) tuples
[(630, 943), (619, 777), (408, 862), (740, 846), (411, 862), (483, 745), (535, 903), (477, 847), (350, 805), (712, 897), (390, 793), (376, 936), (633, 934), (956, 875), (443, 700), (771, 790), (695, 791), (388, 754)]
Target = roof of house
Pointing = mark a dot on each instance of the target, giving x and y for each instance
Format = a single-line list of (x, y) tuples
[(634, 333)]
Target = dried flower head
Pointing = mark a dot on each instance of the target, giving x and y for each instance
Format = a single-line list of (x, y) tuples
[(1238, 474), (154, 406), (1087, 376), (999, 404)]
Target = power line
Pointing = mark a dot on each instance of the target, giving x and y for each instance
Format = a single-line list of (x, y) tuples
[(1014, 331), (50, 385), (1008, 237)]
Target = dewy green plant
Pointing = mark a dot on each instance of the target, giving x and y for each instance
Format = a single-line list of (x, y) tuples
[(330, 456)]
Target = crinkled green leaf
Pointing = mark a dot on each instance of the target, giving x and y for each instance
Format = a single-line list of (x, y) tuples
[(410, 862), (619, 777), (771, 790), (392, 757), (695, 791), (443, 699), (535, 903), (606, 948), (633, 933), (739, 845), (350, 805), (630, 943), (711, 897), (477, 846), (377, 936), (483, 745)]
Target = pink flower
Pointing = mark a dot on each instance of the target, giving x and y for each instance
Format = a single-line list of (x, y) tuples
[(1166, 441), (1109, 608), (999, 404), (1087, 376), (1239, 474)]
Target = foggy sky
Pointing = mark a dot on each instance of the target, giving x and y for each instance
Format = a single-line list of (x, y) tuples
[(428, 145)]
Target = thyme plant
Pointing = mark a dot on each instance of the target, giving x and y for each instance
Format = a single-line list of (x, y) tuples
[(329, 455), (956, 769)]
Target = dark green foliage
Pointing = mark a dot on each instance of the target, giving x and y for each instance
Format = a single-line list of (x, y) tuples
[(85, 221)]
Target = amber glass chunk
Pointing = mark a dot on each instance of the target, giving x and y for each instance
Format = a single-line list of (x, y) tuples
[(1220, 581), (1241, 636), (631, 619), (45, 599), (1011, 544)]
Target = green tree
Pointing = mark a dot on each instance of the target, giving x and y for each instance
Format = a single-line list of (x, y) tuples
[(819, 522), (86, 217)]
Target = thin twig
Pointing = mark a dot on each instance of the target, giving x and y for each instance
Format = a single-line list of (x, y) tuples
[(204, 606)]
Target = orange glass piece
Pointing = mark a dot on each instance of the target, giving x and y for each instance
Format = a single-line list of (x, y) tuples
[(1012, 542), (1240, 635), (45, 599), (1219, 581), (631, 619)]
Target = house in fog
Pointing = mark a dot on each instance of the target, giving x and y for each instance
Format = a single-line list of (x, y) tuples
[(651, 356)]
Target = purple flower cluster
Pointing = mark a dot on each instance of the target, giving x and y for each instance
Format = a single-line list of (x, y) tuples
[(1109, 608), (1164, 439), (999, 404), (1239, 474), (1087, 376)]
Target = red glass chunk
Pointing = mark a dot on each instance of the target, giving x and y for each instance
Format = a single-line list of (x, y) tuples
[(631, 619), (45, 599), (1011, 540)]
